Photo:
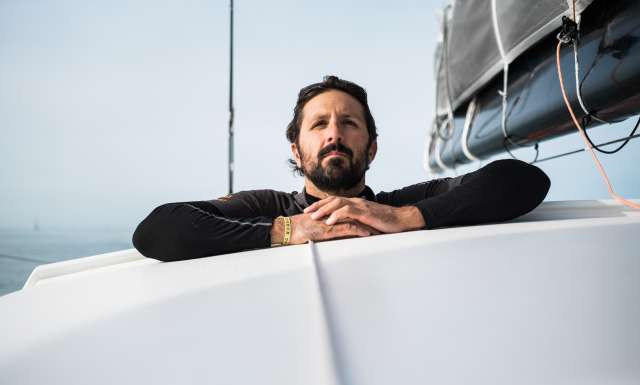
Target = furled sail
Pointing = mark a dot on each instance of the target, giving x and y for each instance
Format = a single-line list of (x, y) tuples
[(497, 88)]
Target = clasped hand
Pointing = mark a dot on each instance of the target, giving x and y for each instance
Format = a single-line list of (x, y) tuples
[(339, 217)]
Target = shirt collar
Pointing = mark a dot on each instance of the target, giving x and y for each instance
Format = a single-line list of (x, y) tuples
[(366, 193)]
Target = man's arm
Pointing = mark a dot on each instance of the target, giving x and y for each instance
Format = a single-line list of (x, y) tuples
[(187, 230), (501, 190)]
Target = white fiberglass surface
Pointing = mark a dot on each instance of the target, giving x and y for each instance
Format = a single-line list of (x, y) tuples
[(549, 299), (555, 305), (255, 318)]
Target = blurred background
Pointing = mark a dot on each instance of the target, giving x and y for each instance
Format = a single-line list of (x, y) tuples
[(109, 109)]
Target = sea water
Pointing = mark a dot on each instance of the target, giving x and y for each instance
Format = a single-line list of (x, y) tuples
[(21, 250)]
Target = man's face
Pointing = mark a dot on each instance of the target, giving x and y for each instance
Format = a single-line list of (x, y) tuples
[(332, 145)]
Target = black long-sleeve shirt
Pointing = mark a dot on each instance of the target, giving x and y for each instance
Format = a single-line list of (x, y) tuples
[(499, 191)]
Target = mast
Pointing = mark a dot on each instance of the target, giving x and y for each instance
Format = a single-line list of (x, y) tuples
[(231, 97)]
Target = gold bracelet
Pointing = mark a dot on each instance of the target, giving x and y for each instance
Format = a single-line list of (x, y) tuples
[(287, 231)]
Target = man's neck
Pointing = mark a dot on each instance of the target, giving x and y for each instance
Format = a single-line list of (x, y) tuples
[(313, 190)]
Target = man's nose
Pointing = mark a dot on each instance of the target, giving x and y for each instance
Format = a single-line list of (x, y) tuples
[(334, 132)]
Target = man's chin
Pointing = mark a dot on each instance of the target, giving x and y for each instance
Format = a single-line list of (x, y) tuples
[(333, 174), (336, 169), (335, 161)]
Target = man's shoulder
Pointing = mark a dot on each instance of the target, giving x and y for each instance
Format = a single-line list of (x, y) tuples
[(265, 201), (260, 194)]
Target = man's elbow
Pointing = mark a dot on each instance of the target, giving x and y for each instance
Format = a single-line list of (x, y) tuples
[(524, 184), (155, 237), (536, 184)]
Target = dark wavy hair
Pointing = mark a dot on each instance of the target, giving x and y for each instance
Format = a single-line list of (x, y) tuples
[(328, 83)]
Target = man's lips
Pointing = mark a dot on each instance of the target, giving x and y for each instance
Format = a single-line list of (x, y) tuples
[(336, 153)]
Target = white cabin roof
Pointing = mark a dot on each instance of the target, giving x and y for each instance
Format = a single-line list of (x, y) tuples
[(549, 298)]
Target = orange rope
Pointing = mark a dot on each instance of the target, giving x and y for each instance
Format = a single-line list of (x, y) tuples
[(615, 196)]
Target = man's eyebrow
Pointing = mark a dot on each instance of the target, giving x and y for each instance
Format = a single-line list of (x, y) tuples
[(326, 115), (319, 115)]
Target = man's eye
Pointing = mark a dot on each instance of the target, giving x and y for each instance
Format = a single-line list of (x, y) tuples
[(319, 124), (350, 122)]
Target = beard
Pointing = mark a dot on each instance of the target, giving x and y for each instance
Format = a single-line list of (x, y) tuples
[(340, 173)]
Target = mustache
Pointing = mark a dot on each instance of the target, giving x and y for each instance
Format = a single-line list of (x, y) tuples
[(335, 147)]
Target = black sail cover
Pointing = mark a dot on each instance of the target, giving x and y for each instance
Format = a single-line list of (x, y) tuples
[(479, 41)]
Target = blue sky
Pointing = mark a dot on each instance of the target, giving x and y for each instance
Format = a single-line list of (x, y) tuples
[(108, 109)]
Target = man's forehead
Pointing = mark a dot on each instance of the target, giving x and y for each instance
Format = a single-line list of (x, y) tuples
[(333, 101)]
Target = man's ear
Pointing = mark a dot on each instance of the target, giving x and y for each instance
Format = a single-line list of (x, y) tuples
[(296, 154), (373, 150)]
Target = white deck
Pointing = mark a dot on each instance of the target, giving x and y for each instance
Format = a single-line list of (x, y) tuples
[(552, 298)]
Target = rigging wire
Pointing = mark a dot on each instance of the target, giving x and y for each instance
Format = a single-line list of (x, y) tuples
[(576, 61), (535, 147), (231, 109), (22, 259), (625, 139), (568, 35), (609, 152), (505, 87), (444, 60), (616, 197), (588, 114)]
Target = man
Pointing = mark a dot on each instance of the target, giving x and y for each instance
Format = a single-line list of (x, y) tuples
[(333, 142)]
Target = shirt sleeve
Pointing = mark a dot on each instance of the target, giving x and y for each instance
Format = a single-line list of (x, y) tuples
[(187, 230), (501, 190)]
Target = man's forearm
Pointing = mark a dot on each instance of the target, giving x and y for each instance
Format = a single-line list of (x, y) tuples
[(502, 190), (277, 232), (411, 217), (187, 230)]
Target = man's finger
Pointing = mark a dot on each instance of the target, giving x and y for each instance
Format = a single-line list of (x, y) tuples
[(315, 206), (328, 208), (341, 214), (355, 214), (371, 230), (352, 213), (355, 229), (347, 229), (311, 208)]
